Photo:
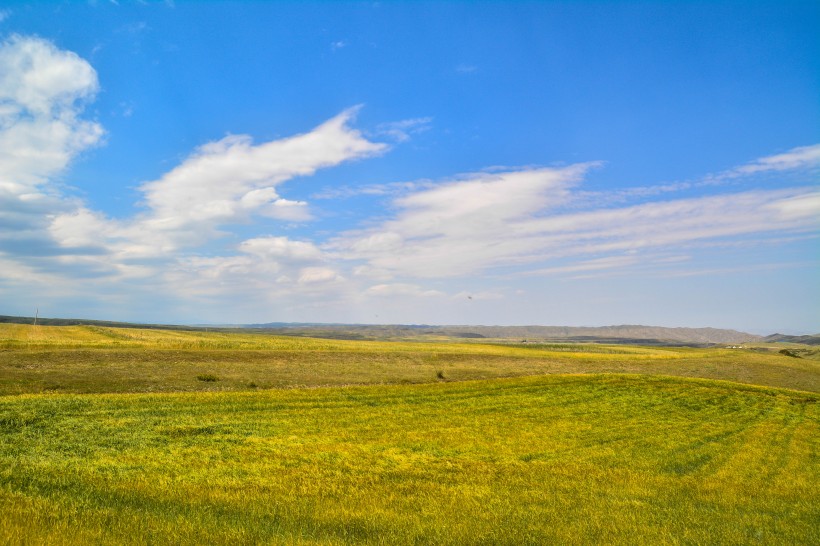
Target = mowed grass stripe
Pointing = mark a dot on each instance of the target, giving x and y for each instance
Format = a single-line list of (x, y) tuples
[(566, 459)]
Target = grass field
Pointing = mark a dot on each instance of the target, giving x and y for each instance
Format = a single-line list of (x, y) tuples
[(543, 449), (90, 359)]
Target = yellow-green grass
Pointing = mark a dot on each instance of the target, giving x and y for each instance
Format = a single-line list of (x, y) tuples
[(22, 336), (585, 459), (87, 359)]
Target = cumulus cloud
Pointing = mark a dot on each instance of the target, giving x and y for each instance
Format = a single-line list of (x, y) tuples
[(42, 95), (263, 269), (79, 228), (318, 275), (43, 91), (281, 248)]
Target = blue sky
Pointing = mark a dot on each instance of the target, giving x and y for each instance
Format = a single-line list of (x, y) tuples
[(557, 163)]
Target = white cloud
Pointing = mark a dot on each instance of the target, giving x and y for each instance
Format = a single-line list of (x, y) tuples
[(401, 289), (698, 272), (80, 228), (803, 160), (461, 227), (42, 80), (390, 188), (223, 182), (514, 220), (17, 273), (265, 269), (281, 248), (228, 180), (42, 94), (400, 131), (42, 90), (796, 158), (608, 262), (318, 275), (801, 207), (372, 273)]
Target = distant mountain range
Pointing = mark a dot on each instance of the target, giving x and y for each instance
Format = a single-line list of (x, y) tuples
[(628, 333), (781, 338), (653, 335)]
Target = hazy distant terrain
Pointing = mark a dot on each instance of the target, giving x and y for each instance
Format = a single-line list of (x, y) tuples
[(633, 334), (636, 334), (805, 340)]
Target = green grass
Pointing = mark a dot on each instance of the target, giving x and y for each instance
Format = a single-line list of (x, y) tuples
[(539, 460), (129, 436), (91, 359)]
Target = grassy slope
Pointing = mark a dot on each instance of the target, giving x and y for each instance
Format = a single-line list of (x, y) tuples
[(538, 459), (87, 359), (556, 459)]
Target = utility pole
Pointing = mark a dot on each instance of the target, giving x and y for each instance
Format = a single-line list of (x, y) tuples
[(36, 314)]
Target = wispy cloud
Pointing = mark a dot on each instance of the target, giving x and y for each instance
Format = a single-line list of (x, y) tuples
[(466, 68), (134, 28), (462, 226), (401, 131), (609, 262), (796, 158), (515, 220), (390, 188), (699, 272), (801, 159), (402, 289)]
